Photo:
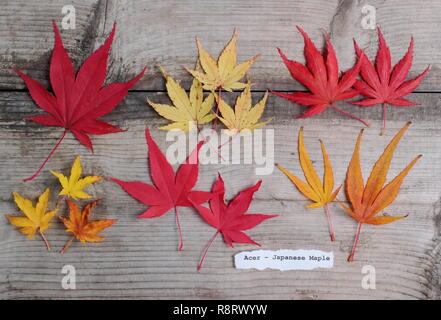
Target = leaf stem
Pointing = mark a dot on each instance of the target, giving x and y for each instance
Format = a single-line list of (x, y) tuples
[(59, 201), (47, 158), (67, 245), (229, 141), (181, 243), (217, 107), (206, 250), (351, 116), (331, 226), (216, 151), (46, 242), (351, 256), (383, 130)]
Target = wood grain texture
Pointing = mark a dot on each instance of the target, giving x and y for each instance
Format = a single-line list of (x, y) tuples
[(167, 36), (152, 33), (26, 36), (139, 259)]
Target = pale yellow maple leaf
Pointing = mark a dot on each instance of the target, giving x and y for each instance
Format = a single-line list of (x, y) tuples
[(36, 218), (187, 111), (73, 187), (223, 73), (244, 117)]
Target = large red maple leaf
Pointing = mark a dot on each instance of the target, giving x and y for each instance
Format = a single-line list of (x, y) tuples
[(170, 191), (80, 99), (382, 84), (321, 77), (230, 220)]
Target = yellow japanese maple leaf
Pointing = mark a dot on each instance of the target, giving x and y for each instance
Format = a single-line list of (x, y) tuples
[(73, 187), (223, 74), (320, 193), (187, 111), (244, 116), (367, 201), (78, 223), (36, 218)]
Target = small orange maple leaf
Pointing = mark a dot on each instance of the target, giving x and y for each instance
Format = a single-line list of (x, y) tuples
[(78, 224)]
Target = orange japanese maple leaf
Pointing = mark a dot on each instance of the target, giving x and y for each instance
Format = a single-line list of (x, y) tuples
[(320, 75), (382, 84), (78, 223), (367, 201)]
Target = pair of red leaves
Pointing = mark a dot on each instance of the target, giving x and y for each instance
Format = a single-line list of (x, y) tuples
[(320, 75), (171, 190), (79, 99)]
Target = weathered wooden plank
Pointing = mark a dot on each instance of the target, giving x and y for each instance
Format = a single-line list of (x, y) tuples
[(26, 36), (139, 259), (168, 37), (152, 33)]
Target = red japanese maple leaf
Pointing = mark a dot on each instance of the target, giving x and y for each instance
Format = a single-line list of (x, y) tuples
[(230, 220), (170, 191), (79, 99), (320, 76), (382, 84)]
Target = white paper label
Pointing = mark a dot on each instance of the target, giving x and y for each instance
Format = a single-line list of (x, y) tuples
[(284, 259)]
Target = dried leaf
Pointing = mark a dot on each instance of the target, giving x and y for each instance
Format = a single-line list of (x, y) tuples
[(170, 190), (382, 84), (244, 117), (79, 225), (73, 187), (320, 76), (224, 73), (320, 193), (367, 201), (79, 99), (36, 218), (187, 111), (230, 220)]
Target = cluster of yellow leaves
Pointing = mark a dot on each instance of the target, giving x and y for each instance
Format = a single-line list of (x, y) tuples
[(37, 219), (187, 112)]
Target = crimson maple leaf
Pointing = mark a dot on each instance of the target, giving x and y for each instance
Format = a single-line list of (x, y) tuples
[(230, 220), (382, 84), (320, 76), (170, 191), (79, 99)]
